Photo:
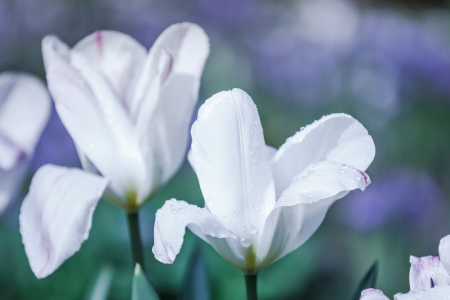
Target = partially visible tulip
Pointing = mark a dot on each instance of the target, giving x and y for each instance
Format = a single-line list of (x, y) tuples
[(429, 277), (128, 112), (437, 293), (24, 111), (262, 203)]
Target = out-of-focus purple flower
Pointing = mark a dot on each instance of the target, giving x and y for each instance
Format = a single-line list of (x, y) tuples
[(418, 50), (24, 111), (400, 196), (428, 277), (302, 61), (55, 146), (375, 57)]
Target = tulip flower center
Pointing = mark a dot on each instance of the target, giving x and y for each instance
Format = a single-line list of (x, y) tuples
[(250, 259)]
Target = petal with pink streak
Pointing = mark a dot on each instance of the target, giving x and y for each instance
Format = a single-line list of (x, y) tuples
[(427, 272)]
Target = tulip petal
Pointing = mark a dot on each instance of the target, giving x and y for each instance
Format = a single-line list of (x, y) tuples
[(171, 78), (336, 137), (100, 129), (25, 109), (56, 215), (427, 272), (117, 57), (53, 48), (10, 181), (437, 293), (302, 207), (230, 160), (373, 294), (175, 216), (444, 252)]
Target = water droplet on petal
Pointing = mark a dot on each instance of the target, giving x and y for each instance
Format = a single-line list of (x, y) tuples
[(245, 242), (253, 230), (303, 178), (311, 172), (242, 228)]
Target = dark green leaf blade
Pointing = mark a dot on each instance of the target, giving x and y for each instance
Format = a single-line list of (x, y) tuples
[(142, 289), (368, 281)]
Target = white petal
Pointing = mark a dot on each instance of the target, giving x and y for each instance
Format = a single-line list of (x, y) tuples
[(100, 131), (230, 160), (25, 109), (337, 137), (56, 215), (437, 293), (10, 181), (373, 294), (444, 252), (53, 48), (427, 272), (175, 216), (302, 207), (171, 79), (117, 57), (270, 152)]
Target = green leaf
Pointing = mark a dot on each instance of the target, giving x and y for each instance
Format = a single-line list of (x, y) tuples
[(100, 289), (368, 281), (142, 289), (196, 282)]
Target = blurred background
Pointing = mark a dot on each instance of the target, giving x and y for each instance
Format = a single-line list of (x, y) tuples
[(387, 63)]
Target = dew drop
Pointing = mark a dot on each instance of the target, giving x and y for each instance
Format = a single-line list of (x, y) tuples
[(303, 178), (245, 242), (311, 172), (258, 208), (226, 219), (242, 228), (236, 213), (253, 230)]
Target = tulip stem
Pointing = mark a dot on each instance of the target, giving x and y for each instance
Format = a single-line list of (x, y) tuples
[(250, 283), (135, 239)]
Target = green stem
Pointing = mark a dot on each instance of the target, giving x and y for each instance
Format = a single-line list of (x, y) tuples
[(250, 283), (135, 239)]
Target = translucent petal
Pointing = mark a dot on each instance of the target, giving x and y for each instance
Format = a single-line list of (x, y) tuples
[(56, 215), (117, 57), (171, 222), (230, 160), (302, 207), (427, 272), (444, 252), (437, 293), (171, 78), (373, 294), (25, 110), (338, 138)]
